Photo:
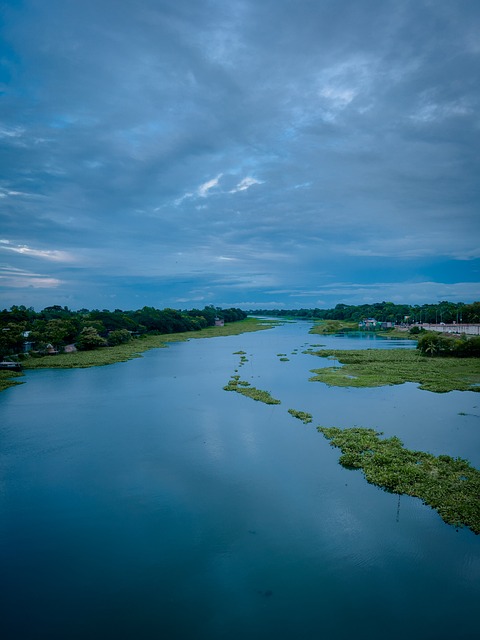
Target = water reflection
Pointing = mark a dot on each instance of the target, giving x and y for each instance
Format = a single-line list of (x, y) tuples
[(142, 500)]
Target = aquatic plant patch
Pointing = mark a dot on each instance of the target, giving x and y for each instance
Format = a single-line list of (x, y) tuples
[(379, 367), (451, 486), (243, 387), (301, 415)]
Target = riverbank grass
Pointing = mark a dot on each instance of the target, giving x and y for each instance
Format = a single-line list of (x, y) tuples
[(9, 379), (379, 367), (449, 485)]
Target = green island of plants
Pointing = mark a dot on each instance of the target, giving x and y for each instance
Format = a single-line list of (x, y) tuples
[(333, 326), (379, 367), (301, 415), (243, 387), (449, 485)]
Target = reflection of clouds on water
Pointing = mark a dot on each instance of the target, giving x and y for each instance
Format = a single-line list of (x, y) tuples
[(216, 432), (213, 430), (249, 438)]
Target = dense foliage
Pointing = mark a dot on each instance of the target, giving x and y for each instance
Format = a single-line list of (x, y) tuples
[(449, 485), (433, 344), (447, 312), (51, 329)]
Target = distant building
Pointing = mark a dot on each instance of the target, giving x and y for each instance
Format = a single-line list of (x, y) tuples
[(219, 322), (368, 323), (51, 351)]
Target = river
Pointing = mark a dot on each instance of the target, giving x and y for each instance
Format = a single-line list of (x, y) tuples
[(141, 500)]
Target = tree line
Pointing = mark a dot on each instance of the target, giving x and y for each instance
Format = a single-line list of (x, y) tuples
[(55, 327), (447, 312)]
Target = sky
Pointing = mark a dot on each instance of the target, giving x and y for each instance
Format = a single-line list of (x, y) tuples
[(240, 153)]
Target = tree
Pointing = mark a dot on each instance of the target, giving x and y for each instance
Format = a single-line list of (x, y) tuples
[(11, 339), (90, 339), (119, 336), (433, 345)]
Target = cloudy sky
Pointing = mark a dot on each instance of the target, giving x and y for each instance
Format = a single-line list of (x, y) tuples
[(250, 153)]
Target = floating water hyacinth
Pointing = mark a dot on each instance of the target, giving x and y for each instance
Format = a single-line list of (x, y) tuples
[(301, 415), (451, 486)]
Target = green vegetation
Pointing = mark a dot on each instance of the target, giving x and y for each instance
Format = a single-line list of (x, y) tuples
[(333, 326), (284, 359), (54, 328), (8, 379), (379, 367), (449, 485), (301, 415), (434, 344), (243, 387), (90, 339), (444, 311)]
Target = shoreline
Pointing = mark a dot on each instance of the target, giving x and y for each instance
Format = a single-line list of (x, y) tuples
[(128, 351)]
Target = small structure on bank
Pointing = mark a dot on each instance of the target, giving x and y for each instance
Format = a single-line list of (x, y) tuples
[(10, 366), (368, 323)]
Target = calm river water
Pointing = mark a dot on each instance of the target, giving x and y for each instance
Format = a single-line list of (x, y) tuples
[(140, 500)]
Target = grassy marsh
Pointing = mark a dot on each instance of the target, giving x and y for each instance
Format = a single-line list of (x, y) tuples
[(379, 367), (449, 485)]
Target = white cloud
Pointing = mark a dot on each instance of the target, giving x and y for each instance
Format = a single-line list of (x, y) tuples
[(46, 254), (18, 278), (339, 96), (202, 191), (431, 111), (11, 132), (245, 184), (204, 188)]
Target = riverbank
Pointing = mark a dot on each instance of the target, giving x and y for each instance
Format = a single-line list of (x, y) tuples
[(129, 350), (380, 367)]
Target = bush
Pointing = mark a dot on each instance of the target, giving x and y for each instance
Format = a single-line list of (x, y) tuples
[(119, 336), (434, 345), (466, 347), (415, 330)]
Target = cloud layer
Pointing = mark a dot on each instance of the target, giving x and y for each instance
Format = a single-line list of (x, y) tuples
[(242, 153)]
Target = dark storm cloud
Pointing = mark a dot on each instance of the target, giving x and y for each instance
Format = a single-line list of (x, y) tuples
[(266, 152)]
